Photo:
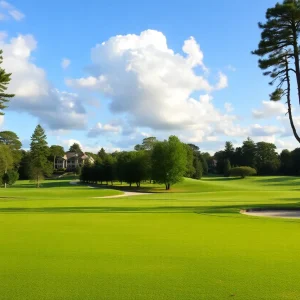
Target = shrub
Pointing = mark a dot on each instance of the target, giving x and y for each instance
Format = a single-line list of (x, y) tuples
[(10, 177), (242, 172)]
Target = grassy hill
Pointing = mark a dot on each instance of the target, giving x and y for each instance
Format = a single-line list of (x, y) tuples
[(60, 242)]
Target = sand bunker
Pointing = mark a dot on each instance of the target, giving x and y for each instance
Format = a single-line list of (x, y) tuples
[(275, 213)]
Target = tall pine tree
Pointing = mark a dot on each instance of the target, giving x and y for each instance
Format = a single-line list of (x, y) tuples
[(278, 50), (39, 151), (4, 81)]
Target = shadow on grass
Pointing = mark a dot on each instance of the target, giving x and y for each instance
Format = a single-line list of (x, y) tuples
[(286, 181), (202, 210), (223, 179)]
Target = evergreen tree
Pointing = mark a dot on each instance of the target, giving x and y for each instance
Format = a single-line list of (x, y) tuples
[(4, 81), (76, 149), (102, 154), (227, 167), (39, 151), (279, 51)]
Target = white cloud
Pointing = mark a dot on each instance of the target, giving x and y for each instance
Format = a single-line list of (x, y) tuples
[(223, 82), (3, 35), (17, 15), (100, 129), (34, 94), (65, 63), (231, 68), (152, 85), (9, 10), (1, 121), (264, 131), (269, 109), (228, 107)]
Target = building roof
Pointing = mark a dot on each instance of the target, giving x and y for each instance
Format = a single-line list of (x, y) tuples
[(69, 155)]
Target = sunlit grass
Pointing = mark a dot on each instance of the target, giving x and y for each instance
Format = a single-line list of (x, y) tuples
[(60, 242)]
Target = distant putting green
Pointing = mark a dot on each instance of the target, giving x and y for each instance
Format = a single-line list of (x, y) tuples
[(60, 242)]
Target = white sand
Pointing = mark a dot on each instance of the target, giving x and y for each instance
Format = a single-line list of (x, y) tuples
[(288, 214), (126, 194)]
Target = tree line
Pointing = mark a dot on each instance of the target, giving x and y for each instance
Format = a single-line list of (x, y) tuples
[(261, 156), (165, 162)]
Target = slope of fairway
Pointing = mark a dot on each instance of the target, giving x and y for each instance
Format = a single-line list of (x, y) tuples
[(59, 242)]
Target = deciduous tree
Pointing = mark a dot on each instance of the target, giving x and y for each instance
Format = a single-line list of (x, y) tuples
[(169, 159)]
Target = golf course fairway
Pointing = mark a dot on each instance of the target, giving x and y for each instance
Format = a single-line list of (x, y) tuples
[(61, 242)]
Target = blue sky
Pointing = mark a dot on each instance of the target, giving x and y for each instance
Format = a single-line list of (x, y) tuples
[(143, 82)]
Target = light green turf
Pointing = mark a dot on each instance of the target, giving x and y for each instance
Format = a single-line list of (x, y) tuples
[(59, 242)]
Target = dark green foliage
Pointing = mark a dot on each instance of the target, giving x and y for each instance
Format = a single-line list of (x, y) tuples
[(296, 161), (227, 167), (248, 153), (4, 81), (39, 152), (242, 172), (229, 151), (286, 162), (78, 170), (198, 168), (220, 158), (190, 162), (76, 148), (10, 177), (266, 159), (24, 167), (278, 50), (204, 164), (102, 154), (169, 159)]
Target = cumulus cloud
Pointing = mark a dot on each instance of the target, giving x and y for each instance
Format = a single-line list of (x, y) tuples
[(223, 82), (269, 109), (152, 84), (34, 94), (65, 63), (9, 11), (100, 129), (263, 131), (228, 107)]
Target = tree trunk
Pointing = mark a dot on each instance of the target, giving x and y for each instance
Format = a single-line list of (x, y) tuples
[(288, 96), (296, 58)]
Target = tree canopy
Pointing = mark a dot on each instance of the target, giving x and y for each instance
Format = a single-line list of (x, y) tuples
[(169, 160), (76, 148), (278, 50), (39, 151), (5, 79)]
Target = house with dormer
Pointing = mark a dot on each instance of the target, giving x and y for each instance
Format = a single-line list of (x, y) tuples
[(71, 160)]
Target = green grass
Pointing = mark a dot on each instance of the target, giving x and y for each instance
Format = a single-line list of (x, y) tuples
[(60, 242)]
